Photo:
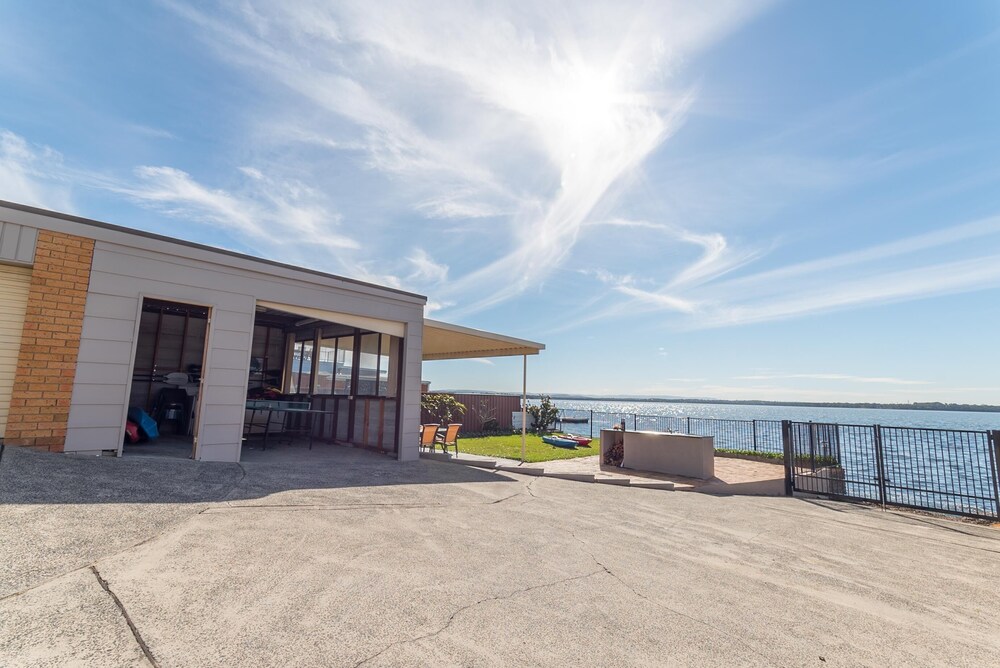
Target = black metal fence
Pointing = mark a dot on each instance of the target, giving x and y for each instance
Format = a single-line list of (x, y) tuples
[(944, 470), (746, 435)]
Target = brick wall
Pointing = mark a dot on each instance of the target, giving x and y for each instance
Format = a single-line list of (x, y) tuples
[(46, 363)]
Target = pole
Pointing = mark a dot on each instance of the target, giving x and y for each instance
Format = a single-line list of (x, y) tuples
[(788, 451), (993, 445), (879, 462), (524, 407)]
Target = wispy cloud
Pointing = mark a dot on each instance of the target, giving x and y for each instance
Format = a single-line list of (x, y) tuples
[(956, 258), (535, 115), (425, 269), (834, 377), (27, 171), (278, 217)]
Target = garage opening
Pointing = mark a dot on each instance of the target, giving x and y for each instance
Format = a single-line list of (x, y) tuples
[(315, 380), (15, 283), (166, 376)]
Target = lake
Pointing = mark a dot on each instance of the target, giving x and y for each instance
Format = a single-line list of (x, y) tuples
[(866, 416)]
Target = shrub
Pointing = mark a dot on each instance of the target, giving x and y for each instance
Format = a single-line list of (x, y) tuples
[(443, 407), (544, 414)]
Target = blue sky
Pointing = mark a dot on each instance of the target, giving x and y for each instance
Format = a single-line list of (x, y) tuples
[(773, 200)]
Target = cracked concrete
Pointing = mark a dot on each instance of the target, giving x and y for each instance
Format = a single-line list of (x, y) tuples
[(344, 558), (128, 620)]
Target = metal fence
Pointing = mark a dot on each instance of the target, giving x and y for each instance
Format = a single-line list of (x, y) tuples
[(944, 470), (947, 470), (745, 435)]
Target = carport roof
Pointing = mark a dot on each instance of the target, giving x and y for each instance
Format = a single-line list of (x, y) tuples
[(444, 341)]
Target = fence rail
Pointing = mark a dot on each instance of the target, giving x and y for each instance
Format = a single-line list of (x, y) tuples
[(943, 470), (762, 436)]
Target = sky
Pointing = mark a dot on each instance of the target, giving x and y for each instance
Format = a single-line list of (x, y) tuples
[(732, 199)]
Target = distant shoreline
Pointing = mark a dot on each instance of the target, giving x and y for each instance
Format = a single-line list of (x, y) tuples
[(915, 406)]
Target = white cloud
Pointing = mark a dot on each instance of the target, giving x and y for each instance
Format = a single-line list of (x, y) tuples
[(834, 377), (425, 269), (279, 218), (915, 267), (533, 114), (282, 213), (31, 174)]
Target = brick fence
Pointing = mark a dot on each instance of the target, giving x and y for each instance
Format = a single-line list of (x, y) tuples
[(50, 341)]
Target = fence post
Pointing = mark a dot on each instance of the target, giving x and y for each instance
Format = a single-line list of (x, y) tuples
[(755, 436), (635, 422), (689, 424), (592, 423), (789, 457), (812, 446), (994, 448), (880, 463)]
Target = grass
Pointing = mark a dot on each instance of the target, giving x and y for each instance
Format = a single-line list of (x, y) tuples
[(509, 447)]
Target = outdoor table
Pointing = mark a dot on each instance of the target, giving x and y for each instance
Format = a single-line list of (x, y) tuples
[(286, 408)]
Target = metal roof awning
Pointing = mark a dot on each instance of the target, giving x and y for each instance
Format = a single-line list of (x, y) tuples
[(444, 341)]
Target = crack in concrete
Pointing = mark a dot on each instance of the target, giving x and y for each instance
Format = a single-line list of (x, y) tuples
[(128, 620), (520, 492), (657, 603), (462, 609)]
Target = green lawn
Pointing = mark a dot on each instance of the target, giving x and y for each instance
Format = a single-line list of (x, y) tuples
[(509, 447)]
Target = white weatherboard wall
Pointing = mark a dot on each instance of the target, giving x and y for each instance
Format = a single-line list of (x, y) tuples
[(121, 276)]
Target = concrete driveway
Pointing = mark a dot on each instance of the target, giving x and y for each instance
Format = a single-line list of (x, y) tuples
[(344, 558)]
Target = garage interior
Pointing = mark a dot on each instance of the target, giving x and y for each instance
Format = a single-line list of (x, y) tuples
[(166, 374), (349, 376), (351, 391)]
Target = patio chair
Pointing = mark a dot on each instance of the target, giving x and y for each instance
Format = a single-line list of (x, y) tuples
[(428, 433), (449, 438)]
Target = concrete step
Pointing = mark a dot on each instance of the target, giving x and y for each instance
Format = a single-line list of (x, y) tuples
[(623, 482), (651, 484), (581, 477), (478, 463), (524, 470)]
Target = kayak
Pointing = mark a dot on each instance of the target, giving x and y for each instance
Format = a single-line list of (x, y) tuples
[(580, 440), (559, 442)]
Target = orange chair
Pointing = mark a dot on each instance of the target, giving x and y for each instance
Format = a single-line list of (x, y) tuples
[(449, 438), (428, 434)]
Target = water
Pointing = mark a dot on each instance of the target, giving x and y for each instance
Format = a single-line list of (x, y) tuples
[(942, 470), (866, 416)]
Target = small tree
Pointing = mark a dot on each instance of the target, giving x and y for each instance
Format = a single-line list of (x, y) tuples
[(488, 417), (543, 415), (444, 407)]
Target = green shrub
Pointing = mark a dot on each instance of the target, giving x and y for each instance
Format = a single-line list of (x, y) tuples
[(544, 415)]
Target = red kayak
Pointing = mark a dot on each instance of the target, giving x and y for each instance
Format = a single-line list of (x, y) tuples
[(580, 440)]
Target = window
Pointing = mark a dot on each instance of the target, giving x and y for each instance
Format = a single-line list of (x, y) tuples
[(377, 365), (343, 365), (301, 367), (388, 366), (368, 368)]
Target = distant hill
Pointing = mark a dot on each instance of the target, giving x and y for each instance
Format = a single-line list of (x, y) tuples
[(915, 406)]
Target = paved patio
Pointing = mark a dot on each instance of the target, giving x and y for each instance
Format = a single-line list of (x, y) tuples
[(733, 475), (345, 558)]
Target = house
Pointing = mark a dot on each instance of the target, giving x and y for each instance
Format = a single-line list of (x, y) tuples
[(97, 318)]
